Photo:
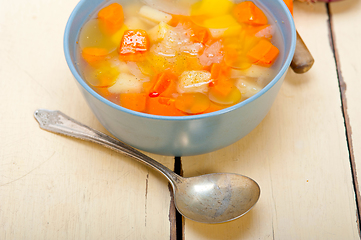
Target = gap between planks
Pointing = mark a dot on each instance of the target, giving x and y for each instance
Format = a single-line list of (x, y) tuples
[(348, 131), (175, 218)]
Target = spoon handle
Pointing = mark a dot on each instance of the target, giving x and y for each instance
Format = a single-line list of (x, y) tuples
[(58, 122), (302, 59)]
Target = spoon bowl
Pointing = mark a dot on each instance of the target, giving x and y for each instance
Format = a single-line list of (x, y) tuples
[(210, 198), (216, 198)]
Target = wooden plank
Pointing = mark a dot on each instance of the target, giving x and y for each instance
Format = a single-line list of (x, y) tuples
[(298, 155), (51, 186), (347, 33)]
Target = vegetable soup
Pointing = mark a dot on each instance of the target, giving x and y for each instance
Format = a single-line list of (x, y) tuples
[(190, 57)]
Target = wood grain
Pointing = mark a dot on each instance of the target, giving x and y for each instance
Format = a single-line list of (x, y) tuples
[(298, 155), (345, 23), (54, 187), (51, 186)]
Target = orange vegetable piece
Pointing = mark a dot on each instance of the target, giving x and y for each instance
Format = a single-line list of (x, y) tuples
[(172, 89), (103, 92), (247, 12), (93, 55), (112, 17), (216, 70), (163, 81), (214, 107), (163, 106), (134, 45), (147, 86), (222, 86), (192, 103), (219, 69), (237, 59), (198, 33), (102, 75), (260, 31), (289, 4), (224, 92), (133, 101), (264, 53), (176, 19)]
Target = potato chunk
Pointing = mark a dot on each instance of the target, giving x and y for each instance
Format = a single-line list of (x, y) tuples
[(248, 87), (154, 14), (262, 74), (135, 23), (127, 83), (194, 81), (158, 33)]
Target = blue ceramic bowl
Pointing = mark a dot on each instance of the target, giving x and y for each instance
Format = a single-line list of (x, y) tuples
[(186, 135)]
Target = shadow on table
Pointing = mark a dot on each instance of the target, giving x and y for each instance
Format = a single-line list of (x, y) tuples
[(241, 228)]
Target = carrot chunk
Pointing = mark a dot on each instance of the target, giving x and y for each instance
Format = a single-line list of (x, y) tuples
[(95, 51), (133, 101), (163, 81), (247, 12), (265, 31), (216, 70), (103, 92), (112, 17), (192, 103), (222, 86), (163, 106), (224, 93), (171, 90), (92, 55), (264, 53), (213, 107), (197, 34), (134, 45), (200, 34)]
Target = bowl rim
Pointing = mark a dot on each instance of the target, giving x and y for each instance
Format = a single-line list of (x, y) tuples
[(83, 83)]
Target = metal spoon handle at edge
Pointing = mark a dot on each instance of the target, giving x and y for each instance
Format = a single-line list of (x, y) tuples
[(58, 122)]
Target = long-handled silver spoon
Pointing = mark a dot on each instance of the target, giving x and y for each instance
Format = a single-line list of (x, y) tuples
[(211, 198)]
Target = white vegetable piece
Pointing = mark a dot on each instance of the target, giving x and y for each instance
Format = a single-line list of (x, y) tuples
[(127, 83), (158, 33), (135, 23), (194, 81), (248, 87), (154, 14), (122, 66), (178, 7), (257, 71), (135, 71), (263, 74), (254, 71)]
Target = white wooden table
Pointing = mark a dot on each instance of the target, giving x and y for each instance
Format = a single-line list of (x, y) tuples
[(306, 154)]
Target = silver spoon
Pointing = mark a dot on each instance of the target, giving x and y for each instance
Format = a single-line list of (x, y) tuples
[(210, 198)]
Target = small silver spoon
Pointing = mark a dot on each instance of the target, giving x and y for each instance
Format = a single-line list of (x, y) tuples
[(210, 198)]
